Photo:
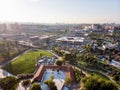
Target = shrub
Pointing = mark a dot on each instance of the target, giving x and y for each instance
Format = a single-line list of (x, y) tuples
[(26, 83), (68, 80), (50, 84), (51, 77), (116, 78), (9, 83), (95, 83), (35, 86), (59, 62), (24, 76)]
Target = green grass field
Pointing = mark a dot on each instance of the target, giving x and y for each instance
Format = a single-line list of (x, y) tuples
[(26, 62)]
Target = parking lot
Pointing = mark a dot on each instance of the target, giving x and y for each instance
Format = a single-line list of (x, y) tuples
[(47, 60)]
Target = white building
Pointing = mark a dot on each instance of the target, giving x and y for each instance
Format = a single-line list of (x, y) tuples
[(70, 41)]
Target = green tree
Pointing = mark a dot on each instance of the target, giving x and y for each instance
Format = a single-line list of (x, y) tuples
[(25, 83), (116, 78), (88, 57), (35, 86), (96, 83), (51, 77), (68, 80), (47, 41), (88, 47), (51, 84), (58, 70), (59, 62), (9, 83), (66, 56), (71, 57), (78, 74)]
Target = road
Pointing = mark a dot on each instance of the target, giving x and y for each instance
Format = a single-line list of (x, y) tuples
[(59, 58)]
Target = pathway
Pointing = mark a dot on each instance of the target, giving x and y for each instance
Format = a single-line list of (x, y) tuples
[(59, 58), (4, 74)]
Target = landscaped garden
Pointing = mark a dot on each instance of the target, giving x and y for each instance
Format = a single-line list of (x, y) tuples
[(26, 62)]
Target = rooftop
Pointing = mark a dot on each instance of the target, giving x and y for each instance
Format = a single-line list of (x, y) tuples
[(72, 39)]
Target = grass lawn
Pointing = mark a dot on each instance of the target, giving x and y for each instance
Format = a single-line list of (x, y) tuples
[(26, 62)]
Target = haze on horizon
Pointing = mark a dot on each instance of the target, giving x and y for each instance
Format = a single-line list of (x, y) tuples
[(60, 11)]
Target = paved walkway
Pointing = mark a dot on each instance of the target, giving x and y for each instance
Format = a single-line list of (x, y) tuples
[(59, 58), (4, 74), (59, 83), (20, 87)]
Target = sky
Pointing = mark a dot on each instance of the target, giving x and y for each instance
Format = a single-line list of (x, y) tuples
[(60, 11)]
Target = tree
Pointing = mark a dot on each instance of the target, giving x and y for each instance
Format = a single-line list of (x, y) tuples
[(47, 41), (25, 83), (9, 83), (88, 57), (58, 70), (59, 62), (71, 57), (35, 86), (116, 78), (51, 77), (51, 84), (66, 56), (78, 75), (68, 80), (8, 44), (88, 47), (96, 83)]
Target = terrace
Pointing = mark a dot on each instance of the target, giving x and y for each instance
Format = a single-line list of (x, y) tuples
[(44, 73), (58, 79)]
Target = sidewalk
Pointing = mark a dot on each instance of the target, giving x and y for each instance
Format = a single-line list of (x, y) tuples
[(4, 74)]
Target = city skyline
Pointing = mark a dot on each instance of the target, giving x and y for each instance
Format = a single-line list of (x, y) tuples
[(60, 11)]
